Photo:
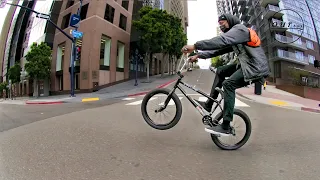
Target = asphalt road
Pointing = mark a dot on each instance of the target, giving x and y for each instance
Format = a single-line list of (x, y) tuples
[(112, 142)]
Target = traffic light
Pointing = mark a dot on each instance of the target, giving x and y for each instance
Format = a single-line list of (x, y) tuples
[(78, 53)]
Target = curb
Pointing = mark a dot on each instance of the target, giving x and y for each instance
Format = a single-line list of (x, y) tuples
[(53, 102), (310, 110), (307, 109)]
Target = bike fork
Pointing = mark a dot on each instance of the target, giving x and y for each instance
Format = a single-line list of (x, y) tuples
[(166, 102)]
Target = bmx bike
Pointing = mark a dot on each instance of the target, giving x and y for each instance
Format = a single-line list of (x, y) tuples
[(171, 97)]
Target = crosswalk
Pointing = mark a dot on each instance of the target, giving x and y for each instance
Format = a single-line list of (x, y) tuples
[(138, 100)]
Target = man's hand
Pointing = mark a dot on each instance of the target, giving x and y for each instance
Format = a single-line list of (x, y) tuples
[(193, 58), (188, 48)]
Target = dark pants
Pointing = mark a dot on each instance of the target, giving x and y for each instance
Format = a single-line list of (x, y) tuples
[(235, 81)]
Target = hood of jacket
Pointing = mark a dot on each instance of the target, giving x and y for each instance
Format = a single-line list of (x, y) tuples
[(232, 20)]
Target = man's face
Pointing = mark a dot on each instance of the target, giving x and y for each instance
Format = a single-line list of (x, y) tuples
[(224, 23)]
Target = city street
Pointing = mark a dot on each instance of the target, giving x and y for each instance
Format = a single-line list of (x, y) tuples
[(109, 140)]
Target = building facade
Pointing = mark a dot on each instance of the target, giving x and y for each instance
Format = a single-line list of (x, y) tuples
[(286, 48), (105, 44)]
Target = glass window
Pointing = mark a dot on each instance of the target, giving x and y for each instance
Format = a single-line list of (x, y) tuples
[(123, 22), (84, 11), (125, 4), (311, 59), (105, 51), (299, 55), (69, 3), (310, 44), (60, 57), (65, 21), (109, 13), (120, 56)]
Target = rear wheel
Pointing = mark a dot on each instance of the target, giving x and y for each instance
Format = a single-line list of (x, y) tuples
[(174, 104), (247, 132)]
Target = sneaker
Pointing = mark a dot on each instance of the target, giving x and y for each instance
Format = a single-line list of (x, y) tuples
[(219, 130), (204, 105)]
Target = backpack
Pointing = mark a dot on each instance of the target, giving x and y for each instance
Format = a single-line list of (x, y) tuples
[(254, 38)]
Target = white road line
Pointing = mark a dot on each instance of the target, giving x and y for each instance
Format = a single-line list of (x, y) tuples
[(203, 99), (139, 102), (239, 103), (171, 102), (128, 99)]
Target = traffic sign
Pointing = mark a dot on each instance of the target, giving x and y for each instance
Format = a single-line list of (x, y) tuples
[(75, 19), (3, 3), (77, 34)]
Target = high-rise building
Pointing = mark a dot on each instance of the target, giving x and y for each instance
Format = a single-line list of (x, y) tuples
[(286, 48)]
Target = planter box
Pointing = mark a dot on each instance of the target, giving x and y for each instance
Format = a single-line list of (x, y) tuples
[(303, 91)]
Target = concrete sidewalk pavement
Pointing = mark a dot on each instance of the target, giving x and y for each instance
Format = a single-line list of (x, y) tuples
[(125, 89), (277, 97)]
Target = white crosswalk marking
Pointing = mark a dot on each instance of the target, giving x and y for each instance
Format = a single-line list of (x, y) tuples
[(171, 102), (203, 99), (140, 101), (238, 103), (128, 99)]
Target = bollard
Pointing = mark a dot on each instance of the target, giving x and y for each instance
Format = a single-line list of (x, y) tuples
[(257, 88)]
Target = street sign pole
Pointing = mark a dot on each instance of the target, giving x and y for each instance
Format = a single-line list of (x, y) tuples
[(73, 54)]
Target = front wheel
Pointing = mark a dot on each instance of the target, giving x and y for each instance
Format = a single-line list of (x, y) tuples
[(157, 97), (236, 145)]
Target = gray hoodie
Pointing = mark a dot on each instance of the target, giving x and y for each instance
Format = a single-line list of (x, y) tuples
[(253, 60)]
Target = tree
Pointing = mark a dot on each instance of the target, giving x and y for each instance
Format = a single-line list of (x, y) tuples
[(153, 32), (38, 63), (217, 61), (14, 75), (178, 40)]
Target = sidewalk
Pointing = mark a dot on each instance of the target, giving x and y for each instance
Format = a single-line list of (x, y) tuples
[(277, 97), (124, 89)]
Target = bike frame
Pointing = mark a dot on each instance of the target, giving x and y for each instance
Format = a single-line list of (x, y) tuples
[(202, 111)]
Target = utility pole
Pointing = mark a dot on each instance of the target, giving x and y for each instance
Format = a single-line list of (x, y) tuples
[(136, 58), (74, 52)]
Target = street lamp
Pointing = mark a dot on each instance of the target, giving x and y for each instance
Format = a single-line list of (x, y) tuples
[(136, 57)]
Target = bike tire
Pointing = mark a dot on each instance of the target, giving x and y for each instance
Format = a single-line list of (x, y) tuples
[(243, 141), (146, 117)]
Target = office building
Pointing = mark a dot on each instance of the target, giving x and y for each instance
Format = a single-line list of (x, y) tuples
[(106, 27), (284, 47)]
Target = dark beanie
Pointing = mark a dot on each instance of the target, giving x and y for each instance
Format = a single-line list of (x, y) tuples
[(222, 17)]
